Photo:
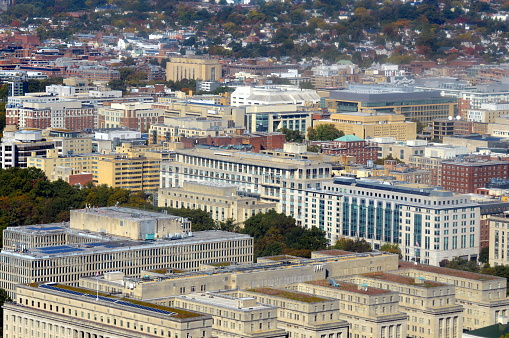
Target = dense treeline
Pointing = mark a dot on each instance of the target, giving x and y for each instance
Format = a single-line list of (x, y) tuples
[(28, 197)]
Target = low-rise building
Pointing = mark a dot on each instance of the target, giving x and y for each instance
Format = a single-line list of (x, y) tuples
[(371, 312), (429, 305), (232, 316), (301, 313), (222, 201)]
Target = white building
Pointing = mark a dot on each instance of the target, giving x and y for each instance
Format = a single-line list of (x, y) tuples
[(428, 224), (274, 94)]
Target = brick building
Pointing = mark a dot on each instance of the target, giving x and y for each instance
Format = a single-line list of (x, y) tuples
[(350, 145), (466, 177), (257, 141)]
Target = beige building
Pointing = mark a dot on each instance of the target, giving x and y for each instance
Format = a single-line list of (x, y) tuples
[(278, 271), (182, 108), (499, 128), (174, 128), (134, 172), (368, 124), (499, 245), (429, 305), (193, 68), (233, 317), (371, 312), (488, 112), (138, 116), (483, 297), (174, 247), (222, 201), (301, 314), (54, 310)]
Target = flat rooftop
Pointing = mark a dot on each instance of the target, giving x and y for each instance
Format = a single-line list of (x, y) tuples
[(125, 213), (121, 245), (292, 295), (399, 279), (224, 301), (129, 305), (446, 271), (349, 287)]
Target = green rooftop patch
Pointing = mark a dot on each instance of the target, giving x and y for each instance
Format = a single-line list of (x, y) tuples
[(298, 296), (179, 312)]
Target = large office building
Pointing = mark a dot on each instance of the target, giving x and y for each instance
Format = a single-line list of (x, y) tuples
[(138, 116), (18, 145), (193, 68), (378, 295), (466, 177), (428, 224), (55, 310), (264, 175), (143, 241), (416, 106), (371, 124)]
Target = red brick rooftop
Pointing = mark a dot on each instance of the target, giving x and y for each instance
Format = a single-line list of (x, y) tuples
[(350, 287), (401, 279), (446, 271), (336, 252)]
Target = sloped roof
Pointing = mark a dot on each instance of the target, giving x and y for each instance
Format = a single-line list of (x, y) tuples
[(349, 138)]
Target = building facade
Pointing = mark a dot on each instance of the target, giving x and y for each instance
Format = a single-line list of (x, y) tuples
[(428, 224), (193, 68)]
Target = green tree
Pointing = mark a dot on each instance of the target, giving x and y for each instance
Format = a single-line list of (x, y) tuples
[(391, 248), (276, 233), (324, 132), (484, 255), (200, 220), (314, 149), (458, 263), (292, 135), (357, 245)]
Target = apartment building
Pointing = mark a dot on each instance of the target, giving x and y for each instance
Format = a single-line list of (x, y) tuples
[(301, 314), (73, 115), (222, 201), (488, 112), (429, 305), (433, 164), (136, 173), (268, 176), (371, 312), (55, 310), (350, 145), (148, 242), (428, 224), (236, 317), (137, 116), (466, 177), (483, 297)]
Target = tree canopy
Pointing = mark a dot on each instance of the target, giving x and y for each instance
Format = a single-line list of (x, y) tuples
[(292, 135), (276, 233), (324, 132), (353, 245)]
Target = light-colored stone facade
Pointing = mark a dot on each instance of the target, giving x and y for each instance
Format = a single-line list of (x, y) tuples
[(58, 311), (222, 201)]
